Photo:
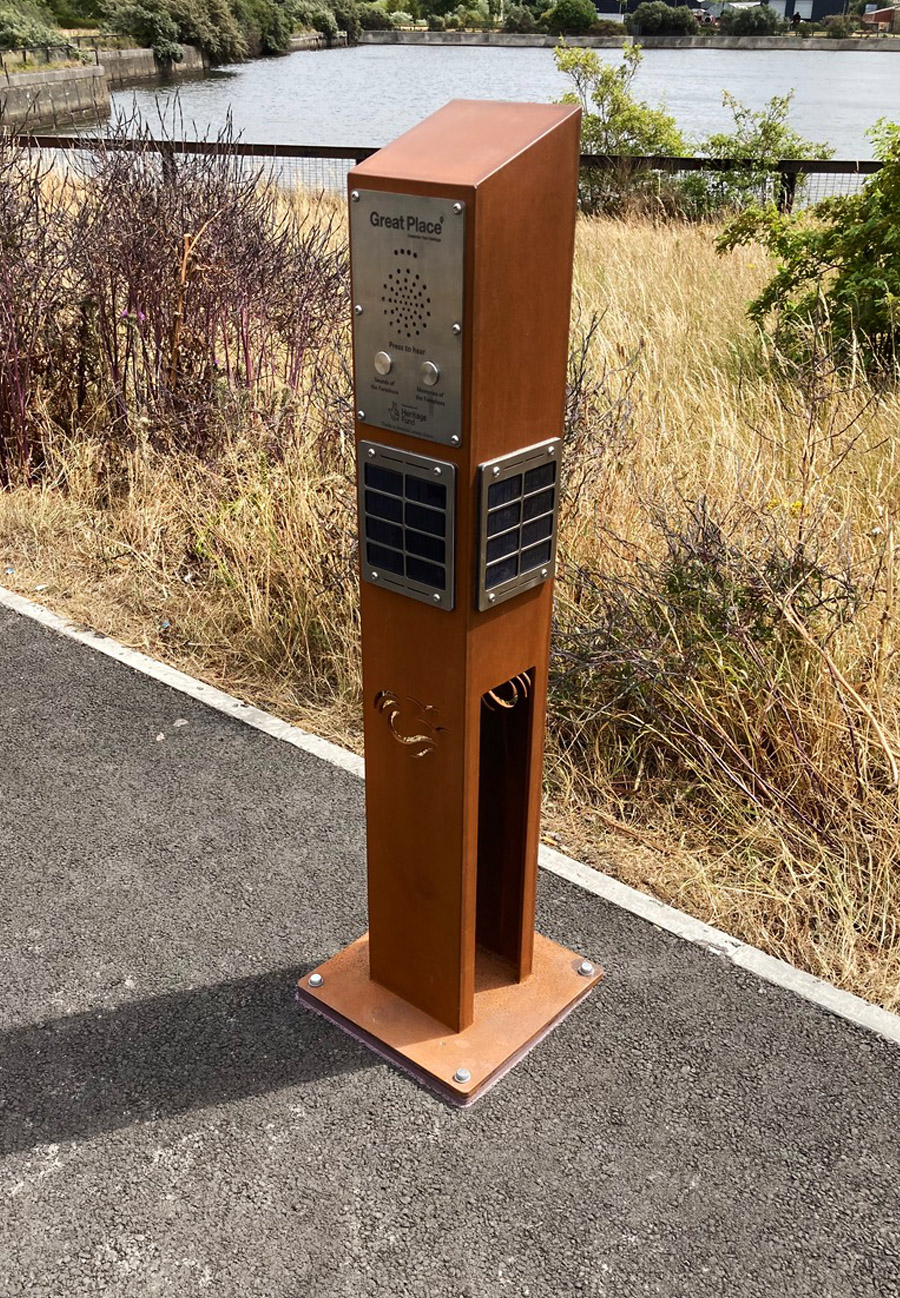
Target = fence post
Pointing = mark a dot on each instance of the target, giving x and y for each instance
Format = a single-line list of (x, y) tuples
[(787, 189), (167, 153)]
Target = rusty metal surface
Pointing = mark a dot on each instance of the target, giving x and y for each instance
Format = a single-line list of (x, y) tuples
[(509, 1017), (463, 143), (429, 830)]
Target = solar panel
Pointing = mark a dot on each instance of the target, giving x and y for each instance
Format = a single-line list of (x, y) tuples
[(519, 506), (407, 510)]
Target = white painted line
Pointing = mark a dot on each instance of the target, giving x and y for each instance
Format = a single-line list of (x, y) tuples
[(778, 972), (717, 943)]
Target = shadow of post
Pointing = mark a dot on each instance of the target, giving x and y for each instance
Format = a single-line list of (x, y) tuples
[(84, 1074)]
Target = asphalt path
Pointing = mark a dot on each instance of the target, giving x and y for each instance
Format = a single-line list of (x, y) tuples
[(172, 1123)]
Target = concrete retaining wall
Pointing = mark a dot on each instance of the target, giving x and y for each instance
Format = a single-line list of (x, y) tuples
[(38, 100), (506, 39), (878, 45), (128, 67), (541, 40), (42, 100), (308, 41)]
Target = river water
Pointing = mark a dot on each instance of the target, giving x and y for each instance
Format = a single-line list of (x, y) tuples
[(368, 94)]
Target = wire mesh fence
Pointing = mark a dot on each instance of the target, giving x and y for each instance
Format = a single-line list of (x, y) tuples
[(38, 56), (706, 186), (314, 168), (689, 186)]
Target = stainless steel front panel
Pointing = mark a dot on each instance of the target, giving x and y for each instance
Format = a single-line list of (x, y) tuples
[(407, 523), (407, 266), (518, 498)]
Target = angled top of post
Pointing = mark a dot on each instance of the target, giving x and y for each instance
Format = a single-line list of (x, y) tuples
[(464, 142)]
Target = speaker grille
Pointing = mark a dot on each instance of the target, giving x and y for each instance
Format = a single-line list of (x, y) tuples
[(405, 299)]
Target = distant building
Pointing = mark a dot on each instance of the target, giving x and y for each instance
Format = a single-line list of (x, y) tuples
[(883, 20), (808, 10)]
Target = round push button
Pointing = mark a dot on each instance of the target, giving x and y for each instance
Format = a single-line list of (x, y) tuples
[(429, 374), (383, 363)]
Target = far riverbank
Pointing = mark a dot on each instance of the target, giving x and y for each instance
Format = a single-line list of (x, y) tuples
[(65, 97), (541, 40)]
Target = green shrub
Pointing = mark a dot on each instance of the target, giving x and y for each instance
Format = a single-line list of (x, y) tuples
[(436, 23), (570, 17), (519, 19), (375, 18), (266, 25), (76, 13), (346, 13), (763, 137), (317, 16), (23, 25), (839, 26), (656, 18), (226, 30), (151, 24), (838, 268), (474, 14), (759, 21), (613, 121), (607, 27)]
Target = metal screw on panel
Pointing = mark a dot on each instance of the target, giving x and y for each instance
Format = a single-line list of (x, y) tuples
[(454, 440), (544, 572), (316, 980), (491, 598), (496, 471), (360, 414), (354, 196), (462, 1075), (457, 328), (373, 576), (586, 969), (437, 471), (551, 450), (436, 598), (371, 452), (457, 208), (358, 309)]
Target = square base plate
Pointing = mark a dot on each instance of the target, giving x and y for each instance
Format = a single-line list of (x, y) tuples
[(509, 1018)]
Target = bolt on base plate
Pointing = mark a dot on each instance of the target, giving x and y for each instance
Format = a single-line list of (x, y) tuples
[(510, 1018)]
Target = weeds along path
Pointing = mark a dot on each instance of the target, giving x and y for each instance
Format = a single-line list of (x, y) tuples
[(175, 425)]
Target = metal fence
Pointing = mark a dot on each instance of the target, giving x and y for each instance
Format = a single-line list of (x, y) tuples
[(38, 56), (790, 183), (290, 166)]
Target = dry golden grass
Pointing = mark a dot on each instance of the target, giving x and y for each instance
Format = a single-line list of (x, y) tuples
[(759, 789)]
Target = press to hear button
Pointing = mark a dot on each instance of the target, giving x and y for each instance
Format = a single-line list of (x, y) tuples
[(383, 363), (429, 373)]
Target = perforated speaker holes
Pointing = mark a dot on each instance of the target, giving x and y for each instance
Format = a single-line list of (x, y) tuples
[(405, 299)]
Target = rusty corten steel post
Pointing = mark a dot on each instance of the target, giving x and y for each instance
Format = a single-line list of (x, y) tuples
[(462, 239)]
